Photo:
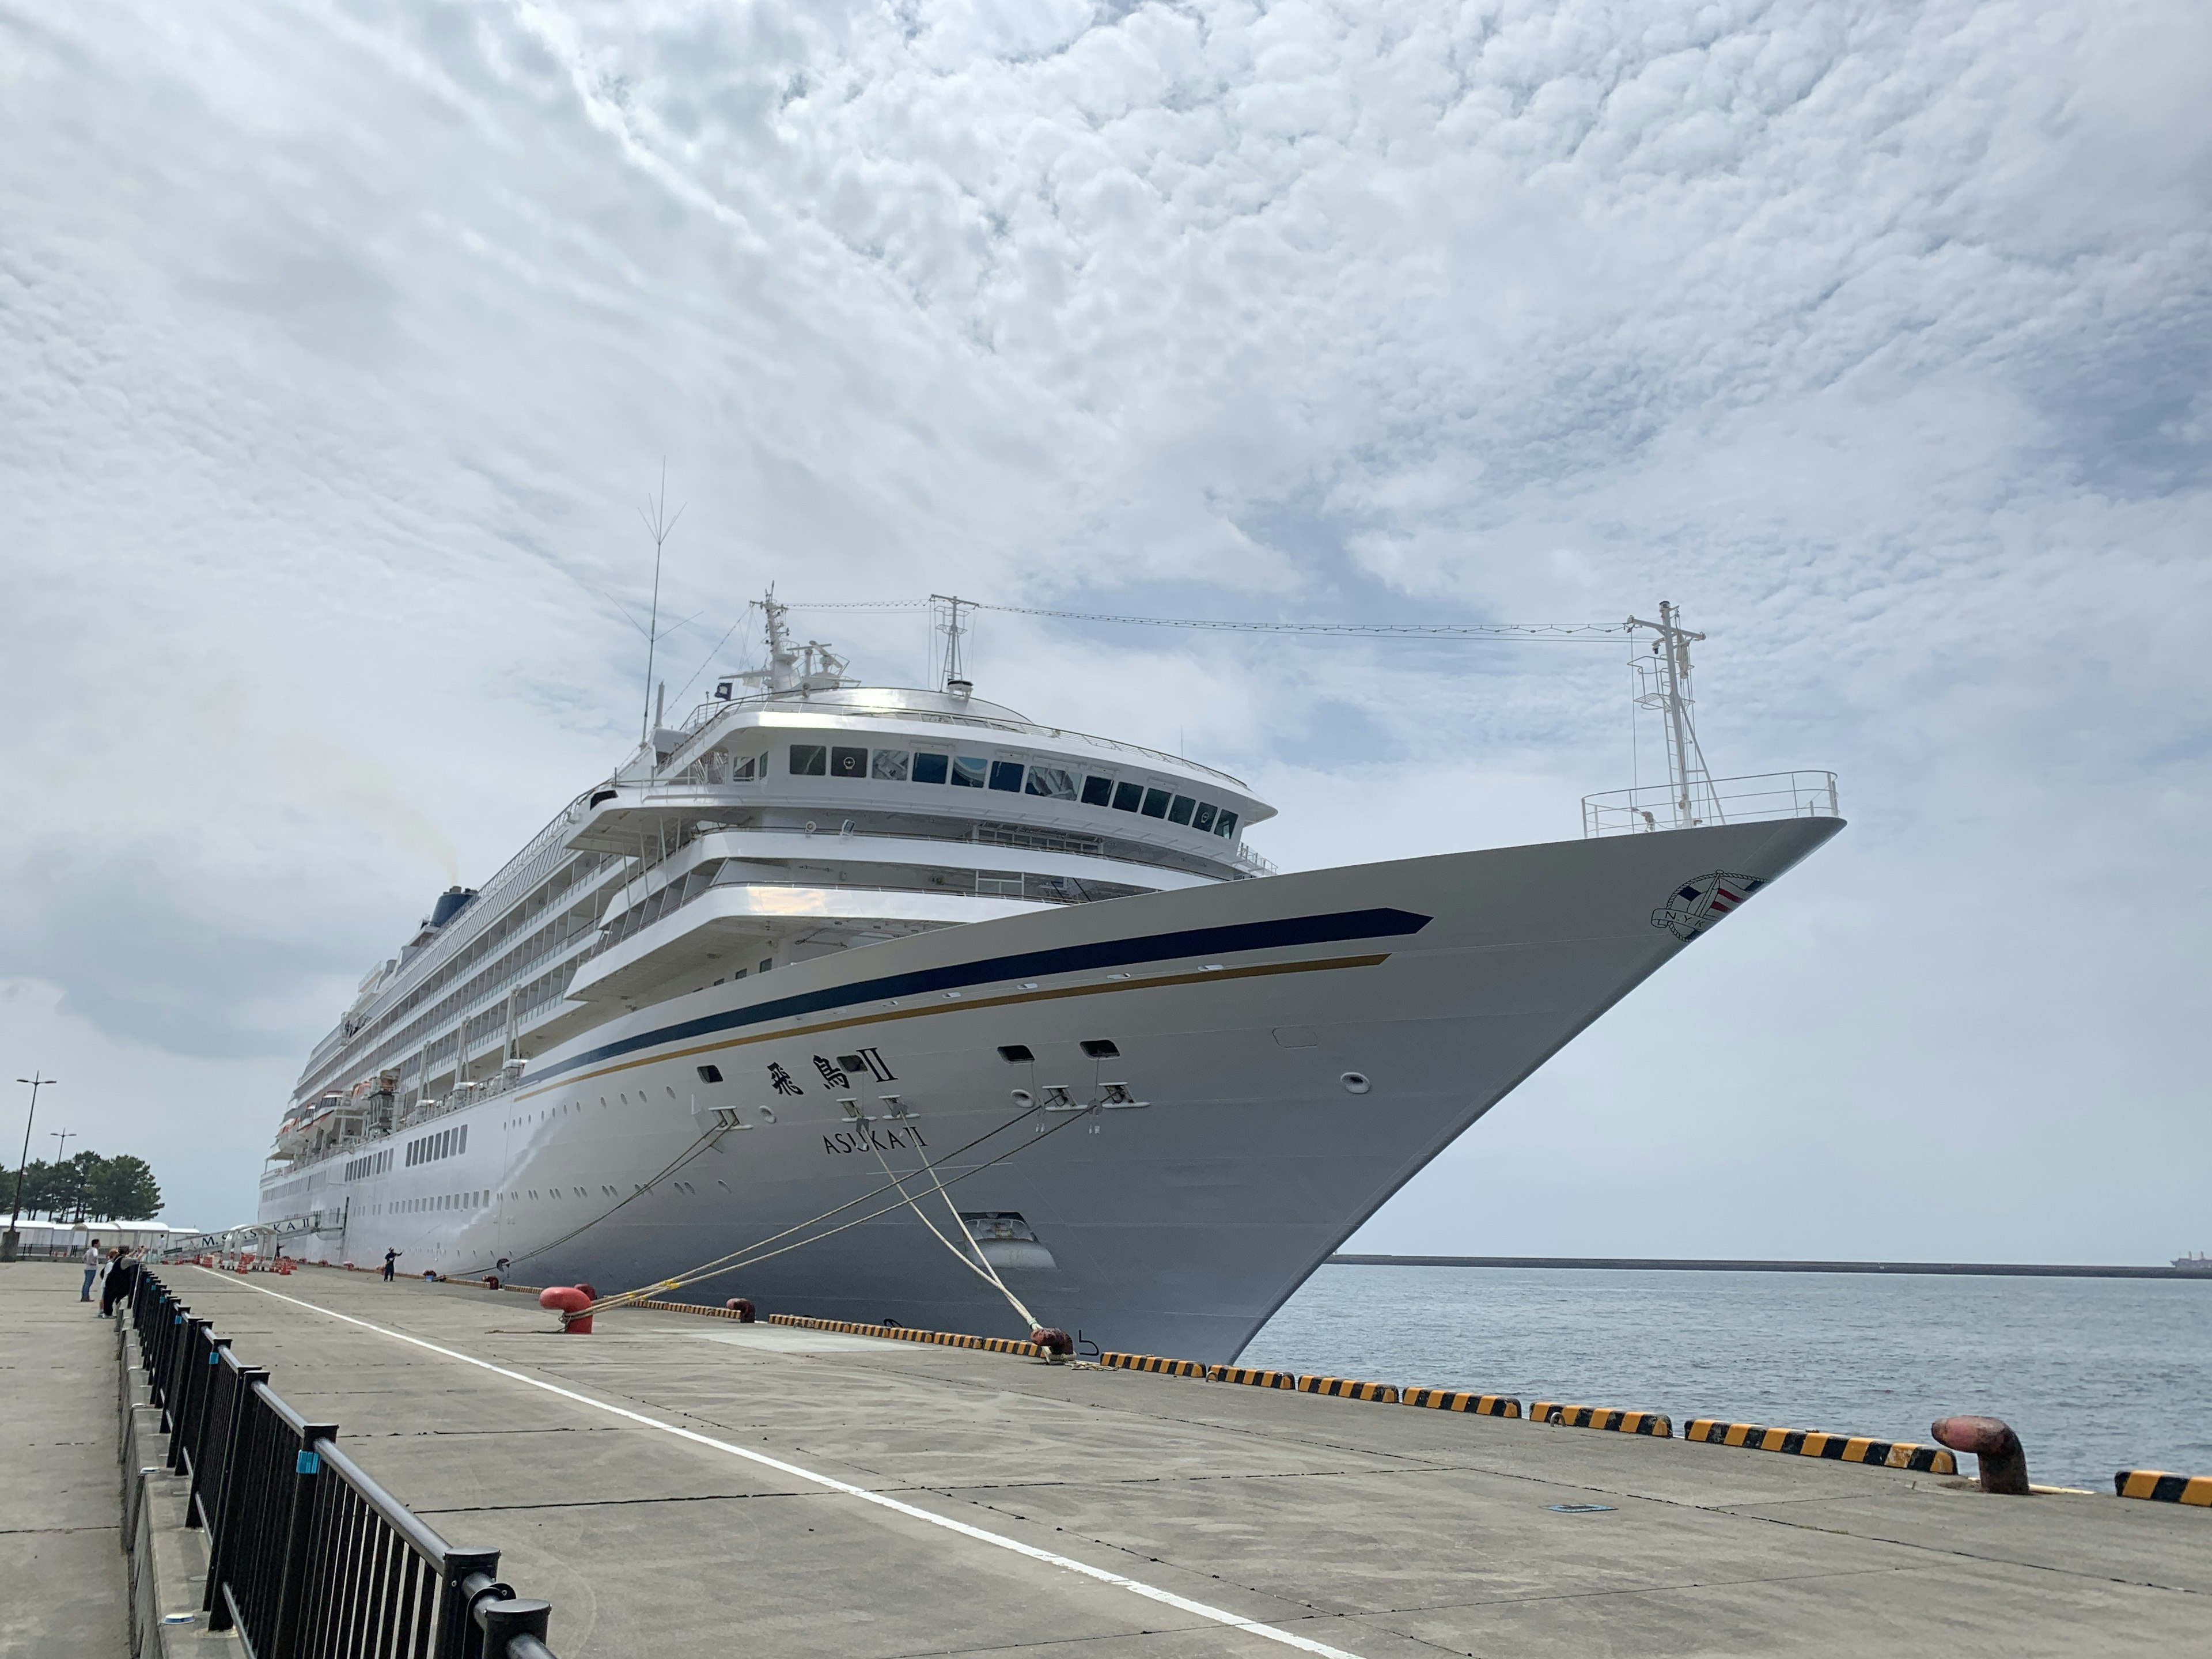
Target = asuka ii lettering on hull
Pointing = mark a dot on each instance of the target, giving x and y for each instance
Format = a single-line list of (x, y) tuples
[(831, 985)]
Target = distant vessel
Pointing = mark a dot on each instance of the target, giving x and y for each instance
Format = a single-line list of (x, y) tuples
[(2198, 1263), (826, 967)]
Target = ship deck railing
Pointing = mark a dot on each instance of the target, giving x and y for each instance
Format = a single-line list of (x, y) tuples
[(1706, 801), (701, 716)]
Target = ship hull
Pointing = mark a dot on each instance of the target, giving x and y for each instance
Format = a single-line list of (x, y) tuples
[(1301, 1046)]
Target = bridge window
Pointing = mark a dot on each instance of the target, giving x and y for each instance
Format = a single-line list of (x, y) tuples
[(1006, 775), (1156, 803), (1202, 819), (890, 765), (848, 762), (1128, 797), (809, 760), (930, 769), (1225, 826), (1097, 791), (970, 771), (1052, 782), (1179, 809)]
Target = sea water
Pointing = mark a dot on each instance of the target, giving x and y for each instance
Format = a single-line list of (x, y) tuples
[(2096, 1375)]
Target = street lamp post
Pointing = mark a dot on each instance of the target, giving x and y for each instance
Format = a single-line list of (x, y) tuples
[(10, 1240)]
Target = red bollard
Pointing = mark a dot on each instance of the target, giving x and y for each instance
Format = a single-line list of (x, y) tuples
[(1997, 1450), (744, 1309), (569, 1301), (491, 1281), (1057, 1343)]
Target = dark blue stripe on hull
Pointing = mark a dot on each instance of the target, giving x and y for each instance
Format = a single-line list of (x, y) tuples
[(1292, 930)]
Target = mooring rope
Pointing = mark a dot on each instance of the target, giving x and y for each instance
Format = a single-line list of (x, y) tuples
[(986, 1273), (753, 1255)]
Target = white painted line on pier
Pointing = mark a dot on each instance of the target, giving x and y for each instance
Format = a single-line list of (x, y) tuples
[(1134, 1586)]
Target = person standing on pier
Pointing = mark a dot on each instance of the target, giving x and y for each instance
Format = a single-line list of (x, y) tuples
[(92, 1260), (122, 1275), (390, 1258)]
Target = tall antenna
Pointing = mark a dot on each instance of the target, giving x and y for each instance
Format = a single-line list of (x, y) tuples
[(945, 620), (1695, 802), (659, 525)]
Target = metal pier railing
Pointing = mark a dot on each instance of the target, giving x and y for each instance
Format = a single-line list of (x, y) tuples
[(307, 1554)]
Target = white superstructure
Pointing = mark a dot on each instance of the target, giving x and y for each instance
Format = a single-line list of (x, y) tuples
[(821, 938)]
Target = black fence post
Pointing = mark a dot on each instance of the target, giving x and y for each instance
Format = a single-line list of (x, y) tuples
[(298, 1535), (190, 1382), (458, 1636), (230, 1497)]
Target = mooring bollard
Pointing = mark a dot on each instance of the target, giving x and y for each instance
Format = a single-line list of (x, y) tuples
[(744, 1309), (1057, 1343), (569, 1301), (1997, 1450)]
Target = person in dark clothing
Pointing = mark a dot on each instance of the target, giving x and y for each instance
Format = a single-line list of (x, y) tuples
[(122, 1278), (390, 1257)]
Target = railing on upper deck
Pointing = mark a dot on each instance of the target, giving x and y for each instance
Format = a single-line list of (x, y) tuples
[(1707, 801), (704, 714), (307, 1554)]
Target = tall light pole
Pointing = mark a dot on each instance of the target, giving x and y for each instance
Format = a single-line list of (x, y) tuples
[(10, 1240)]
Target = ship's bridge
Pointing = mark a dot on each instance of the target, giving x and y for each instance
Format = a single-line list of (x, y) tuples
[(838, 815)]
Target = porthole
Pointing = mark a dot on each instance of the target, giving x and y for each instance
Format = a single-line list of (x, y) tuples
[(1356, 1083)]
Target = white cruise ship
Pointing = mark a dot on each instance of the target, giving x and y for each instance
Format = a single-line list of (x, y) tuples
[(869, 997)]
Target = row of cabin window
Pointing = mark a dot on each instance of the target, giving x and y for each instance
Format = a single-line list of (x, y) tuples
[(814, 760), (447, 1143)]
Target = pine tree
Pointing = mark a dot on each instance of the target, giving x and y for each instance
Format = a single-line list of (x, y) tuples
[(122, 1188), (38, 1188)]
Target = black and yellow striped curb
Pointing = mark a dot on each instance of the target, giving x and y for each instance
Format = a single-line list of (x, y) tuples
[(1655, 1423), (1251, 1376), (1343, 1388), (1814, 1443), (1454, 1399), (2162, 1488), (907, 1333), (1152, 1362), (694, 1308)]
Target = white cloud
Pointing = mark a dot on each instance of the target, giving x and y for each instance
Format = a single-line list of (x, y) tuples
[(340, 347)]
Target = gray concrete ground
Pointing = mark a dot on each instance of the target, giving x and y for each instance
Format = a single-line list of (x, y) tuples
[(62, 1584), (1380, 1530)]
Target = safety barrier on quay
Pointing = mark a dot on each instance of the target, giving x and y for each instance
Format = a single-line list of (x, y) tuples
[(907, 1333), (1814, 1443), (1152, 1362), (307, 1554), (1655, 1423), (1455, 1400), (1252, 1377), (2162, 1488), (1343, 1388)]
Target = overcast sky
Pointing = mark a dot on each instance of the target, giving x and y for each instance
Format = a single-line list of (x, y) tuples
[(339, 344)]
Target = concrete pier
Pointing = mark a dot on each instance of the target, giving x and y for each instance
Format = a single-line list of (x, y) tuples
[(61, 1560), (689, 1486)]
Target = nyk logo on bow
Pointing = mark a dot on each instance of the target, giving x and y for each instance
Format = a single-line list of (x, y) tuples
[(1697, 905)]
